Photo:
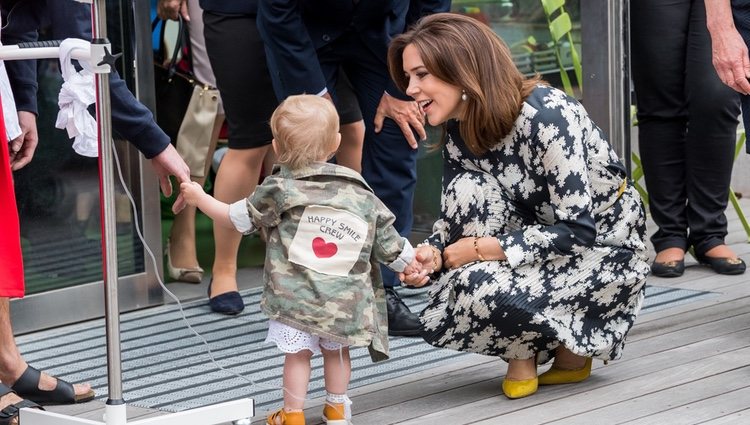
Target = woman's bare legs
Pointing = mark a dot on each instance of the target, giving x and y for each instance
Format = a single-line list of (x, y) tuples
[(521, 369), (236, 179), (567, 360), (182, 233)]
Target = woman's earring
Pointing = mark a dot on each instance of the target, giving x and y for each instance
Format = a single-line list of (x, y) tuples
[(463, 95)]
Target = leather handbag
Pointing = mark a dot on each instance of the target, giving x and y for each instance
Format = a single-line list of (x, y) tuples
[(185, 107), (173, 82)]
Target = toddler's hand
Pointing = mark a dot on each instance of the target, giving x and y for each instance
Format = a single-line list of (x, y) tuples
[(192, 192), (415, 274)]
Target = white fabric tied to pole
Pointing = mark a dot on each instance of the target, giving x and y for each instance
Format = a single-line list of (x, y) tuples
[(76, 94)]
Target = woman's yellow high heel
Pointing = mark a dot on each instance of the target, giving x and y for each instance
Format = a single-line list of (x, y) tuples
[(556, 376), (518, 389)]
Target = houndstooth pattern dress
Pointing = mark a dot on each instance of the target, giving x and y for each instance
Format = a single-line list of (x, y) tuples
[(552, 194)]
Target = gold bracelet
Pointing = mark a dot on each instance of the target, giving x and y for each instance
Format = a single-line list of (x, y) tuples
[(435, 255), (476, 248)]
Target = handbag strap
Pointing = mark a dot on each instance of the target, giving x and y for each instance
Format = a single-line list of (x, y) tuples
[(178, 45)]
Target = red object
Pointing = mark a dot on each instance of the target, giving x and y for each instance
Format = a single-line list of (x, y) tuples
[(323, 249), (11, 261)]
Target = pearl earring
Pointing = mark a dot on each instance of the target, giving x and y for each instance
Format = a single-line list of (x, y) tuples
[(463, 95)]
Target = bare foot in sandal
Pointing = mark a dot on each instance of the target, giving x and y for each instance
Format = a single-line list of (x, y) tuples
[(11, 404), (6, 401), (44, 389)]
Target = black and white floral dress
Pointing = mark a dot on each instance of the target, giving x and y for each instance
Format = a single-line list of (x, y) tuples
[(553, 194)]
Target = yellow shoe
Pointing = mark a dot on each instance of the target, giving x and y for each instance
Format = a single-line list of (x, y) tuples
[(556, 376), (518, 389), (335, 414), (282, 417)]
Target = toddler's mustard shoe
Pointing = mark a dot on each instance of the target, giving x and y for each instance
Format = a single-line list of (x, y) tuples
[(335, 414), (556, 376), (518, 389), (282, 417)]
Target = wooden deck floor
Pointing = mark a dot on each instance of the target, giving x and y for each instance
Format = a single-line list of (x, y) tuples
[(688, 364)]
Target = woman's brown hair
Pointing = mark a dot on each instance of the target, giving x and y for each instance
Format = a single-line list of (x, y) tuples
[(466, 53)]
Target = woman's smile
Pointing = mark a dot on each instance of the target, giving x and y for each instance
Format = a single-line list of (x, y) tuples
[(438, 100)]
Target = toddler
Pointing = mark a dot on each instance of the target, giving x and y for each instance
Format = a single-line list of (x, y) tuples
[(325, 232)]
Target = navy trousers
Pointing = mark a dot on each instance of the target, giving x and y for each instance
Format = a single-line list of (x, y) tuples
[(388, 162)]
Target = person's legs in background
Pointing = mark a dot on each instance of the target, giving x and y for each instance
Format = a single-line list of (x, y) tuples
[(712, 133), (12, 365), (352, 126), (388, 166), (659, 78), (182, 257), (249, 101)]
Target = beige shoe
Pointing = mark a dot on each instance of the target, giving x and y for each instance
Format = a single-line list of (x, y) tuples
[(189, 275)]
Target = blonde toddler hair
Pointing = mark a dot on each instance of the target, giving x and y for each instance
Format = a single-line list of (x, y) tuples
[(305, 128)]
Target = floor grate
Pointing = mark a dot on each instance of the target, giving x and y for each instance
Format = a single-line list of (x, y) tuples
[(166, 367)]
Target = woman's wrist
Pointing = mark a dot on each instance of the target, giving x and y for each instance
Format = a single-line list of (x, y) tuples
[(437, 260), (480, 257), (487, 248)]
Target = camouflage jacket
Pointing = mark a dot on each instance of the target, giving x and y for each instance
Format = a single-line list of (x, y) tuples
[(326, 232)]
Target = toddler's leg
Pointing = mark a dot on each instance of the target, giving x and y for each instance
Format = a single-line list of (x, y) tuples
[(337, 370), (296, 379)]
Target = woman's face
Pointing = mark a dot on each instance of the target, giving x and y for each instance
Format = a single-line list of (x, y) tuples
[(438, 100)]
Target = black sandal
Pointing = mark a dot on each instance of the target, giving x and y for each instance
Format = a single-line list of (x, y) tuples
[(27, 386), (11, 411)]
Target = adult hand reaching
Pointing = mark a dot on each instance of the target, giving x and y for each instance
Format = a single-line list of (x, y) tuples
[(22, 147), (169, 9), (406, 114), (170, 163)]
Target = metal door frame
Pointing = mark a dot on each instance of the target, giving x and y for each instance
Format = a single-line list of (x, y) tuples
[(140, 290)]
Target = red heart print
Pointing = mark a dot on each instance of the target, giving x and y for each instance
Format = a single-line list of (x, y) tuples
[(323, 249)]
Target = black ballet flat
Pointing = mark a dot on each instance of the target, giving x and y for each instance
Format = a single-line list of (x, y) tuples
[(229, 303), (724, 265), (668, 269)]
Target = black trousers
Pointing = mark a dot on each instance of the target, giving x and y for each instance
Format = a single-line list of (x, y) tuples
[(687, 123), (741, 14)]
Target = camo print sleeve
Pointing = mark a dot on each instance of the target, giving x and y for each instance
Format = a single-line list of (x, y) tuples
[(388, 244), (267, 202)]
